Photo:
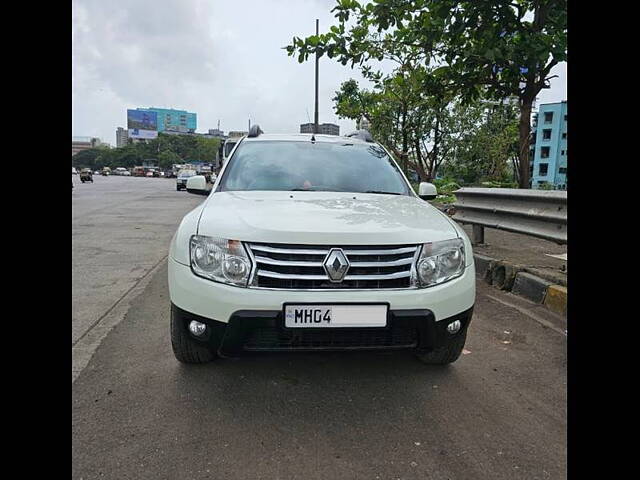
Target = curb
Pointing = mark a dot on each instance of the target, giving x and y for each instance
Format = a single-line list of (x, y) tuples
[(513, 278)]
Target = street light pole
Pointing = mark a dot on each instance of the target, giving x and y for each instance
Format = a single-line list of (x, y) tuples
[(315, 116)]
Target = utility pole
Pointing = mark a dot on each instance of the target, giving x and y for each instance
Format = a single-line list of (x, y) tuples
[(315, 116)]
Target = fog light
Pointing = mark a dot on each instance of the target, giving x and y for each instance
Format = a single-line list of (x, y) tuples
[(197, 328), (453, 327)]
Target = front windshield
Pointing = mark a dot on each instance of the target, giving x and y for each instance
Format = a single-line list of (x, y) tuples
[(334, 167)]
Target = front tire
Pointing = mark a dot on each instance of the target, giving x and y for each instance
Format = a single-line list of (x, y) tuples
[(447, 354), (185, 348)]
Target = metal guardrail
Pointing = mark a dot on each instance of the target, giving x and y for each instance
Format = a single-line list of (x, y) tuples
[(537, 213)]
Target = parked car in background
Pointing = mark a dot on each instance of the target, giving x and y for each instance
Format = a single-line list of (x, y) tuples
[(106, 171), (183, 176), (119, 171), (308, 245), (97, 172), (126, 173), (149, 174)]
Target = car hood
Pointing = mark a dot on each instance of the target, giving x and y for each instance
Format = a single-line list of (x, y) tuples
[(322, 218)]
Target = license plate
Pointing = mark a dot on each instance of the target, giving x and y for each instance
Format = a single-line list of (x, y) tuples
[(331, 316)]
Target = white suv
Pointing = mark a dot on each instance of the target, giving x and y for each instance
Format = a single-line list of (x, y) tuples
[(317, 243)]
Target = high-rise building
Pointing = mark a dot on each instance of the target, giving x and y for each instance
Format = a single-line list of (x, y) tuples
[(174, 120), (549, 147), (122, 137), (323, 128)]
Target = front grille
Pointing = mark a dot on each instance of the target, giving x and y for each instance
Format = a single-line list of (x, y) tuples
[(293, 267), (273, 338)]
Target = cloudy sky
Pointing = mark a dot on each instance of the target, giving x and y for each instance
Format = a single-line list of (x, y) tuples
[(222, 59)]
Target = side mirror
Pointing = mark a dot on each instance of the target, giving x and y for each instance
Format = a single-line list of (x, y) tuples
[(427, 191), (198, 185)]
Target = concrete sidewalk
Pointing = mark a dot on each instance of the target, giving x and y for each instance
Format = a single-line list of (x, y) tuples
[(529, 253)]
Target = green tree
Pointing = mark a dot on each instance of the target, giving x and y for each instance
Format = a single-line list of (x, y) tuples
[(417, 121), (86, 158), (395, 107), (488, 150), (206, 149), (167, 158), (166, 149), (499, 48)]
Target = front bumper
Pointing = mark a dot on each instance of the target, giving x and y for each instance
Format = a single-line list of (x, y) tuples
[(218, 301), (264, 331)]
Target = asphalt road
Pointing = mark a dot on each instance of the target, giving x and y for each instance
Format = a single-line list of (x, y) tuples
[(121, 229), (499, 412)]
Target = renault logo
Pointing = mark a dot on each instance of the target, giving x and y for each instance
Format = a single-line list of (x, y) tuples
[(336, 265)]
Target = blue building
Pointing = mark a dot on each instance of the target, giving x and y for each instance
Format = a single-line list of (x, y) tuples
[(549, 147), (174, 120)]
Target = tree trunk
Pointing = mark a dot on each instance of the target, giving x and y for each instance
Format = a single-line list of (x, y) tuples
[(525, 131), (419, 165), (436, 146), (516, 169), (405, 141)]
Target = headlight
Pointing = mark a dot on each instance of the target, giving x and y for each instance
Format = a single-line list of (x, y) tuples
[(439, 262), (220, 260)]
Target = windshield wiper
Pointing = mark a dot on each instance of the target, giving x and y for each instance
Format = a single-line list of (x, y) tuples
[(313, 190), (382, 193)]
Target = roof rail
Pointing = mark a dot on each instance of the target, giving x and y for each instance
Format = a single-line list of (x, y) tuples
[(255, 131), (362, 135)]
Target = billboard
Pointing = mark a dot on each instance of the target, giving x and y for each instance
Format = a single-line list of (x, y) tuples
[(137, 133), (142, 124)]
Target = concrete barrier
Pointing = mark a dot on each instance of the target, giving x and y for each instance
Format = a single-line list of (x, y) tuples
[(556, 299), (531, 287)]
